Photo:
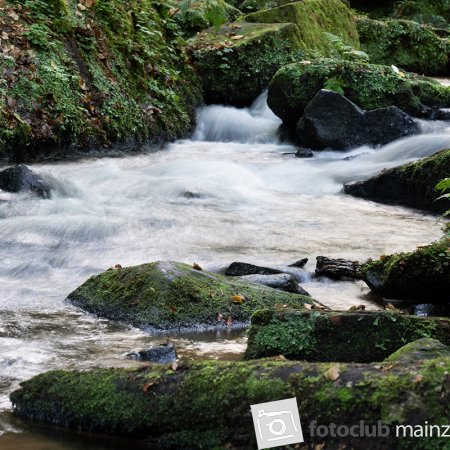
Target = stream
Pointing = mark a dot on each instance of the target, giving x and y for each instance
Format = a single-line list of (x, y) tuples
[(231, 193)]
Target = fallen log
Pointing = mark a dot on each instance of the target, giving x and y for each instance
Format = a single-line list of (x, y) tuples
[(337, 269), (205, 405)]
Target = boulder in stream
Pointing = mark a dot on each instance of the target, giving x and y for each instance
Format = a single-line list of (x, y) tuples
[(161, 354), (422, 275), (370, 86), (21, 178), (360, 336), (169, 295), (411, 184), (332, 121), (206, 404)]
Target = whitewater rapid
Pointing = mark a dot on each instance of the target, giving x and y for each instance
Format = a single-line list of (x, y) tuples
[(231, 193)]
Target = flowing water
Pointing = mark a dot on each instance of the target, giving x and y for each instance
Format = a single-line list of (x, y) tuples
[(230, 193)]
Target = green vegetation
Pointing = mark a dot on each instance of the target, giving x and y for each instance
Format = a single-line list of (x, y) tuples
[(444, 188), (166, 295), (370, 86), (432, 12), (422, 274), (404, 43), (152, 402), (338, 335), (83, 75)]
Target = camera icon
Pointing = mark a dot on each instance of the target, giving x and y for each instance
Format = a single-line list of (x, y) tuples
[(277, 423)]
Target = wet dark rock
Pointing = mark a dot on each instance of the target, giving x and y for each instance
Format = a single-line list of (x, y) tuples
[(332, 121), (238, 269), (162, 354), (281, 281), (337, 269), (440, 114), (21, 178), (411, 184), (304, 153), (299, 263)]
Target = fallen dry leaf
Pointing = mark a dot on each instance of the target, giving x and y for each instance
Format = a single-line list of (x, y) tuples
[(387, 367), (148, 387), (238, 299), (333, 373), (229, 321), (174, 366), (418, 378), (237, 37), (196, 267)]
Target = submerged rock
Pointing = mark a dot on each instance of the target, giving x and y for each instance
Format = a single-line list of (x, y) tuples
[(21, 178), (411, 184), (332, 121), (422, 275), (162, 354), (282, 281), (338, 336), (304, 153), (170, 295), (188, 407)]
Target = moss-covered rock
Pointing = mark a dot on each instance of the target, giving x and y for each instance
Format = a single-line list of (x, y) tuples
[(421, 275), (79, 76), (313, 19), (411, 184), (370, 86), (249, 6), (238, 61), (199, 15), (404, 43), (167, 295), (431, 12), (337, 335), (206, 405)]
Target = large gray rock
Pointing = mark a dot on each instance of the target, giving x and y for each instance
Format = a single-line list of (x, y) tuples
[(281, 281), (21, 178), (332, 121)]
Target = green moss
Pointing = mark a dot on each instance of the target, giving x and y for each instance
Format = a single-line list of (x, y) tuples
[(370, 86), (338, 336), (432, 12), (200, 15), (236, 70), (313, 18), (80, 78), (174, 295), (218, 396), (404, 43), (421, 274)]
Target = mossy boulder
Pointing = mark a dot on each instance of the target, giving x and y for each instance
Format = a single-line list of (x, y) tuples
[(199, 15), (411, 184), (422, 275), (206, 405), (406, 44), (370, 86), (168, 295), (431, 12), (82, 77), (338, 336), (313, 18), (249, 6), (238, 61)]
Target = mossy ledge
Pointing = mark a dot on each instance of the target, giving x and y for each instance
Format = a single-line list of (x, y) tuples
[(79, 78), (411, 184), (421, 275), (170, 295), (206, 405), (338, 335)]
